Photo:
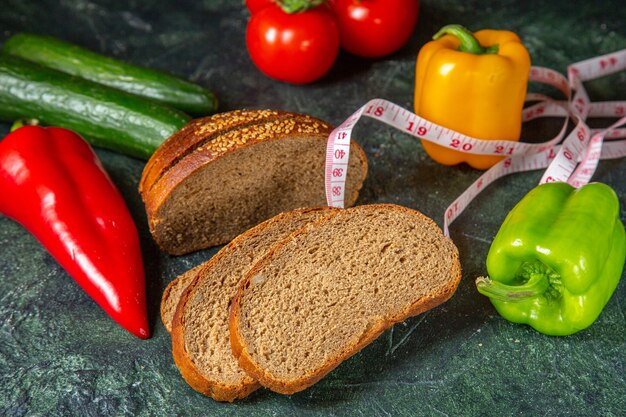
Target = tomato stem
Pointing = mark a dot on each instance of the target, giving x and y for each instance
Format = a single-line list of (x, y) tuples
[(298, 6)]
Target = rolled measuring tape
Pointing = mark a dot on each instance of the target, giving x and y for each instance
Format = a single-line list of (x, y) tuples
[(571, 158)]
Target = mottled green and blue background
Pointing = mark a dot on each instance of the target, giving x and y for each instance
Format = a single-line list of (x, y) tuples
[(61, 355)]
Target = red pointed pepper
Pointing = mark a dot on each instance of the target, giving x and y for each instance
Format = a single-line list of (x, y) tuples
[(53, 184)]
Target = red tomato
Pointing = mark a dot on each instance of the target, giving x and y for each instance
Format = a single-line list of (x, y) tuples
[(256, 5), (374, 28), (297, 48)]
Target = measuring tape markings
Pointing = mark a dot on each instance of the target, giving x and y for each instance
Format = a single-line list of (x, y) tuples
[(337, 160), (513, 165), (587, 70), (337, 154), (574, 161), (558, 108), (588, 145), (585, 170), (421, 128), (599, 66), (577, 141), (616, 133)]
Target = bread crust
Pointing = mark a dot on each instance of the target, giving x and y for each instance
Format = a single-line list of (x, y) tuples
[(198, 381), (201, 143), (199, 130), (266, 378), (167, 293), (215, 389)]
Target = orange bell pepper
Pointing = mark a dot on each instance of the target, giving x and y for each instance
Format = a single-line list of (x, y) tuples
[(474, 84)]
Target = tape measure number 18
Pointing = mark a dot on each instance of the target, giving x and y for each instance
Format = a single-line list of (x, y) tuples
[(573, 159)]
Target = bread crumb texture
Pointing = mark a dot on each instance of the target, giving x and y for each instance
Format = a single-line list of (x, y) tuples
[(205, 333), (327, 289)]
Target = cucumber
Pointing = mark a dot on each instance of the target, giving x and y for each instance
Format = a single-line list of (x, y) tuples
[(72, 59), (106, 117)]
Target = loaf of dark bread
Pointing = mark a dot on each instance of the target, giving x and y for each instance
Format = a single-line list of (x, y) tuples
[(331, 288), (223, 174)]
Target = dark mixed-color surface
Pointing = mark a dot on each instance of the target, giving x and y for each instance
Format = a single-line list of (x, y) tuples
[(61, 355)]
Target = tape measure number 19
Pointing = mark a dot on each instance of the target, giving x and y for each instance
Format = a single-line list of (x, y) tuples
[(573, 159)]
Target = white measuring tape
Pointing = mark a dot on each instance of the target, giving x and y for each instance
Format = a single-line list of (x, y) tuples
[(573, 159)]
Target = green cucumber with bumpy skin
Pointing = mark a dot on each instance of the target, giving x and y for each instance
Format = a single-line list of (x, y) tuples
[(106, 117), (75, 60)]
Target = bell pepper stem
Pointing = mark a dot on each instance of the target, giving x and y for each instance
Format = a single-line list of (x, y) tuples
[(535, 286), (469, 43)]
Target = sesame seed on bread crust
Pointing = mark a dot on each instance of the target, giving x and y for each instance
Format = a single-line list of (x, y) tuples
[(200, 131)]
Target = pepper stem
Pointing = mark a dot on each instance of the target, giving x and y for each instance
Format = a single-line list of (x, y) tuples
[(469, 43), (535, 286)]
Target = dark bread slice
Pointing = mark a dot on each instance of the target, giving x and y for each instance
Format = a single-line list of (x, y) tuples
[(200, 336), (217, 178), (320, 296)]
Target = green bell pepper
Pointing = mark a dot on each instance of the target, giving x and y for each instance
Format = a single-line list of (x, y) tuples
[(557, 258)]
